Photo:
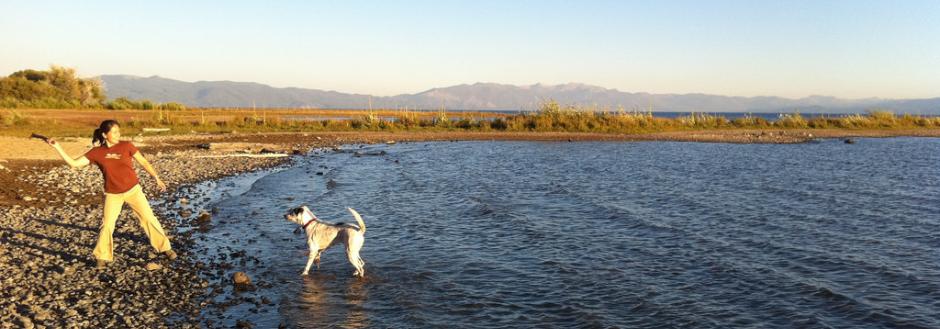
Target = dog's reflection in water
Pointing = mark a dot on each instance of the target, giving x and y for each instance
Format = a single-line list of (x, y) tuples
[(330, 302)]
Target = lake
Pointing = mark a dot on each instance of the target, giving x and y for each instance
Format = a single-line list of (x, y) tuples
[(596, 235)]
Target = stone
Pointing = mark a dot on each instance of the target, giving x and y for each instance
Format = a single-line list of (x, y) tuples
[(25, 322), (240, 278), (153, 266), (204, 217)]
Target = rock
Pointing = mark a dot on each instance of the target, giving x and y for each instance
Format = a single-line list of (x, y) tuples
[(185, 213), (240, 278), (40, 314), (371, 153), (153, 266), (104, 277), (204, 218), (25, 322), (243, 324), (184, 201), (849, 141), (28, 198), (331, 184)]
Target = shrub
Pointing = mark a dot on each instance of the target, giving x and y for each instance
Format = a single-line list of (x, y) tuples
[(172, 106), (794, 120), (58, 87)]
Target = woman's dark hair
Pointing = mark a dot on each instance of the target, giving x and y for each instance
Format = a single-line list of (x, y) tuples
[(98, 137)]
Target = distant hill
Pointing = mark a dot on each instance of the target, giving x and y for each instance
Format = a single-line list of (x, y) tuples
[(487, 96)]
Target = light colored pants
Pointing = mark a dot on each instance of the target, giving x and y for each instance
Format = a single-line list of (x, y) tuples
[(113, 202)]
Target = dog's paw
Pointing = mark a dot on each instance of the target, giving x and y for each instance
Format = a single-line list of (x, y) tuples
[(304, 274)]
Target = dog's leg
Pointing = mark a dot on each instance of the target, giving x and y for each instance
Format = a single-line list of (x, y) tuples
[(352, 252), (313, 255), (356, 262), (317, 260)]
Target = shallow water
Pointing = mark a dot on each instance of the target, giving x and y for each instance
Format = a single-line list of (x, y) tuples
[(651, 235)]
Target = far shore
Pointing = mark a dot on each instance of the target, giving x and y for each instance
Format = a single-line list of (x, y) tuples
[(21, 148)]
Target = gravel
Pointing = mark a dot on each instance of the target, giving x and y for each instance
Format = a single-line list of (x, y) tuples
[(49, 275)]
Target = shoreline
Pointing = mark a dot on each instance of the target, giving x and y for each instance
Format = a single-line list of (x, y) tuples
[(51, 214)]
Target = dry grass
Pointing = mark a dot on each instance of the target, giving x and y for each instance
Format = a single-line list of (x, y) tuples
[(550, 118)]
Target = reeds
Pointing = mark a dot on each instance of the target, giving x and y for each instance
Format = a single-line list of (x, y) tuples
[(550, 117)]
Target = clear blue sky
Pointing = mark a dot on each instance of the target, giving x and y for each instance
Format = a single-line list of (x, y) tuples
[(853, 49)]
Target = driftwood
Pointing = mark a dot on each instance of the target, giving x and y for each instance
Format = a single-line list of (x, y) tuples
[(236, 147)]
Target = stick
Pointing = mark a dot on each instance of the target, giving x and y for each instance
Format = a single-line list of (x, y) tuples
[(40, 137)]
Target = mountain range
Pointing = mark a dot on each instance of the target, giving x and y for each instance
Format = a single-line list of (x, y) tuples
[(487, 96)]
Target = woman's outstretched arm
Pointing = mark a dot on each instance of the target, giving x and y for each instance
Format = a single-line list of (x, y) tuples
[(146, 164), (74, 163)]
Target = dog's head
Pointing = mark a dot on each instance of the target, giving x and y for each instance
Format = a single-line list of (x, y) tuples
[(299, 215)]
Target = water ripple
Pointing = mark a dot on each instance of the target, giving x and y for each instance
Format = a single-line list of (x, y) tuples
[(598, 235)]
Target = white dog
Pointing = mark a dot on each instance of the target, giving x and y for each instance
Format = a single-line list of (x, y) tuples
[(321, 236)]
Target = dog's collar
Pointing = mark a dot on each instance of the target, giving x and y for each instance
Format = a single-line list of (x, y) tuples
[(313, 219)]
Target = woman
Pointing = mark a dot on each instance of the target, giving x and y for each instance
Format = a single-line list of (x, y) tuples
[(121, 185)]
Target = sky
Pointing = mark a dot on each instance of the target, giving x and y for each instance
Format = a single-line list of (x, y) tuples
[(848, 49)]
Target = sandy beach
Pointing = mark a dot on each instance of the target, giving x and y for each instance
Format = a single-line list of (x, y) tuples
[(49, 217)]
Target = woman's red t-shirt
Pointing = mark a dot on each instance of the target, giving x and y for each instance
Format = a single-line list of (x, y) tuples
[(116, 165)]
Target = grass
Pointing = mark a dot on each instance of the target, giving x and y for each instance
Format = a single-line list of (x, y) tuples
[(551, 117)]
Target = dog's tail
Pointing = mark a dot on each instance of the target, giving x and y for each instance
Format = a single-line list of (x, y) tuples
[(362, 225)]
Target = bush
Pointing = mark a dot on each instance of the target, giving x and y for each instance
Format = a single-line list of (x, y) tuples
[(794, 120), (122, 103), (13, 118), (58, 87), (172, 106)]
